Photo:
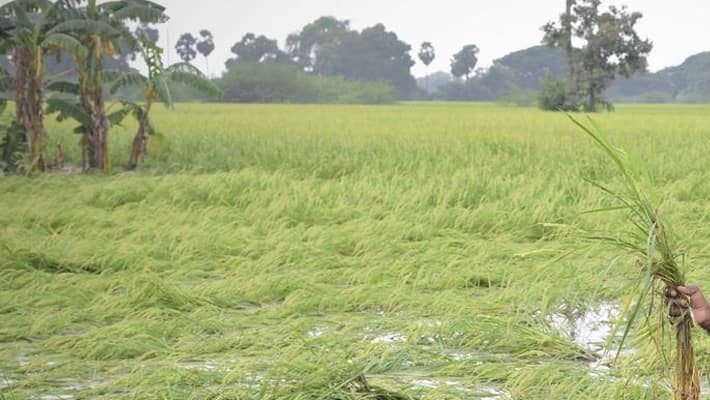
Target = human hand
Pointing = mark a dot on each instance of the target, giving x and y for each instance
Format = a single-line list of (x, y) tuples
[(698, 304)]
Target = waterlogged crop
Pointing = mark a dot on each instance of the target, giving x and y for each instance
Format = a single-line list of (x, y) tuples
[(426, 251)]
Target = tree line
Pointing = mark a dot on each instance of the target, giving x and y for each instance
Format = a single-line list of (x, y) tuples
[(608, 47), (89, 36), (329, 47)]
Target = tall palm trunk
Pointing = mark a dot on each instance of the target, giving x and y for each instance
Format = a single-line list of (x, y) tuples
[(427, 80)]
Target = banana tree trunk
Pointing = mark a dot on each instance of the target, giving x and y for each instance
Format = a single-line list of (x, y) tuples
[(20, 59), (138, 147), (96, 138), (97, 144), (36, 118), (98, 153), (140, 141), (28, 103)]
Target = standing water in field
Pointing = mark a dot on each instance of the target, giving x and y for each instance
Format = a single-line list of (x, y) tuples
[(588, 328)]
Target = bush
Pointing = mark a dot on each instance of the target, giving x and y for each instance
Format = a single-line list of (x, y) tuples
[(470, 90), (552, 96), (340, 90), (496, 84), (287, 83)]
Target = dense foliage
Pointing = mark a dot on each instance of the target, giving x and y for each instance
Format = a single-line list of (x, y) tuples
[(552, 97), (516, 77), (688, 82), (610, 47), (273, 82), (329, 46), (464, 62)]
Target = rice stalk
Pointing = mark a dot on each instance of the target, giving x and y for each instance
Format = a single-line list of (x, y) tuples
[(650, 242)]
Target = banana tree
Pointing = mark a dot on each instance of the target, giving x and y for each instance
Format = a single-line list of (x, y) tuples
[(10, 141), (156, 88), (13, 139), (97, 31), (25, 26)]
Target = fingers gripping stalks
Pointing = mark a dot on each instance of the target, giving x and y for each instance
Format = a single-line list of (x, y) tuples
[(681, 314), (692, 300), (677, 305)]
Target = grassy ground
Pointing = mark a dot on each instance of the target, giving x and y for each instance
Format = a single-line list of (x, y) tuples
[(284, 251)]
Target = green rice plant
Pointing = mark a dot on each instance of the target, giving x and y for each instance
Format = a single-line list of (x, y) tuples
[(650, 242), (275, 249)]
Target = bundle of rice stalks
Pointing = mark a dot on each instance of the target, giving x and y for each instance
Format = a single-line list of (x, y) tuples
[(649, 241)]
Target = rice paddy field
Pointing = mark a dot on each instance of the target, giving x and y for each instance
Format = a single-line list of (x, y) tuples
[(411, 251)]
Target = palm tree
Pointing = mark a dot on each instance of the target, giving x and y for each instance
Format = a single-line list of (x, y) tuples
[(206, 47), (156, 87), (427, 55), (185, 47)]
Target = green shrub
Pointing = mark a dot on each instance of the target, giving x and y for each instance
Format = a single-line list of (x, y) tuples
[(552, 96), (286, 83)]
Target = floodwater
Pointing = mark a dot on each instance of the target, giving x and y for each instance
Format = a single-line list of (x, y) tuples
[(589, 328)]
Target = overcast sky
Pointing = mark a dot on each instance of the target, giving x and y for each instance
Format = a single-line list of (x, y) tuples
[(677, 28)]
